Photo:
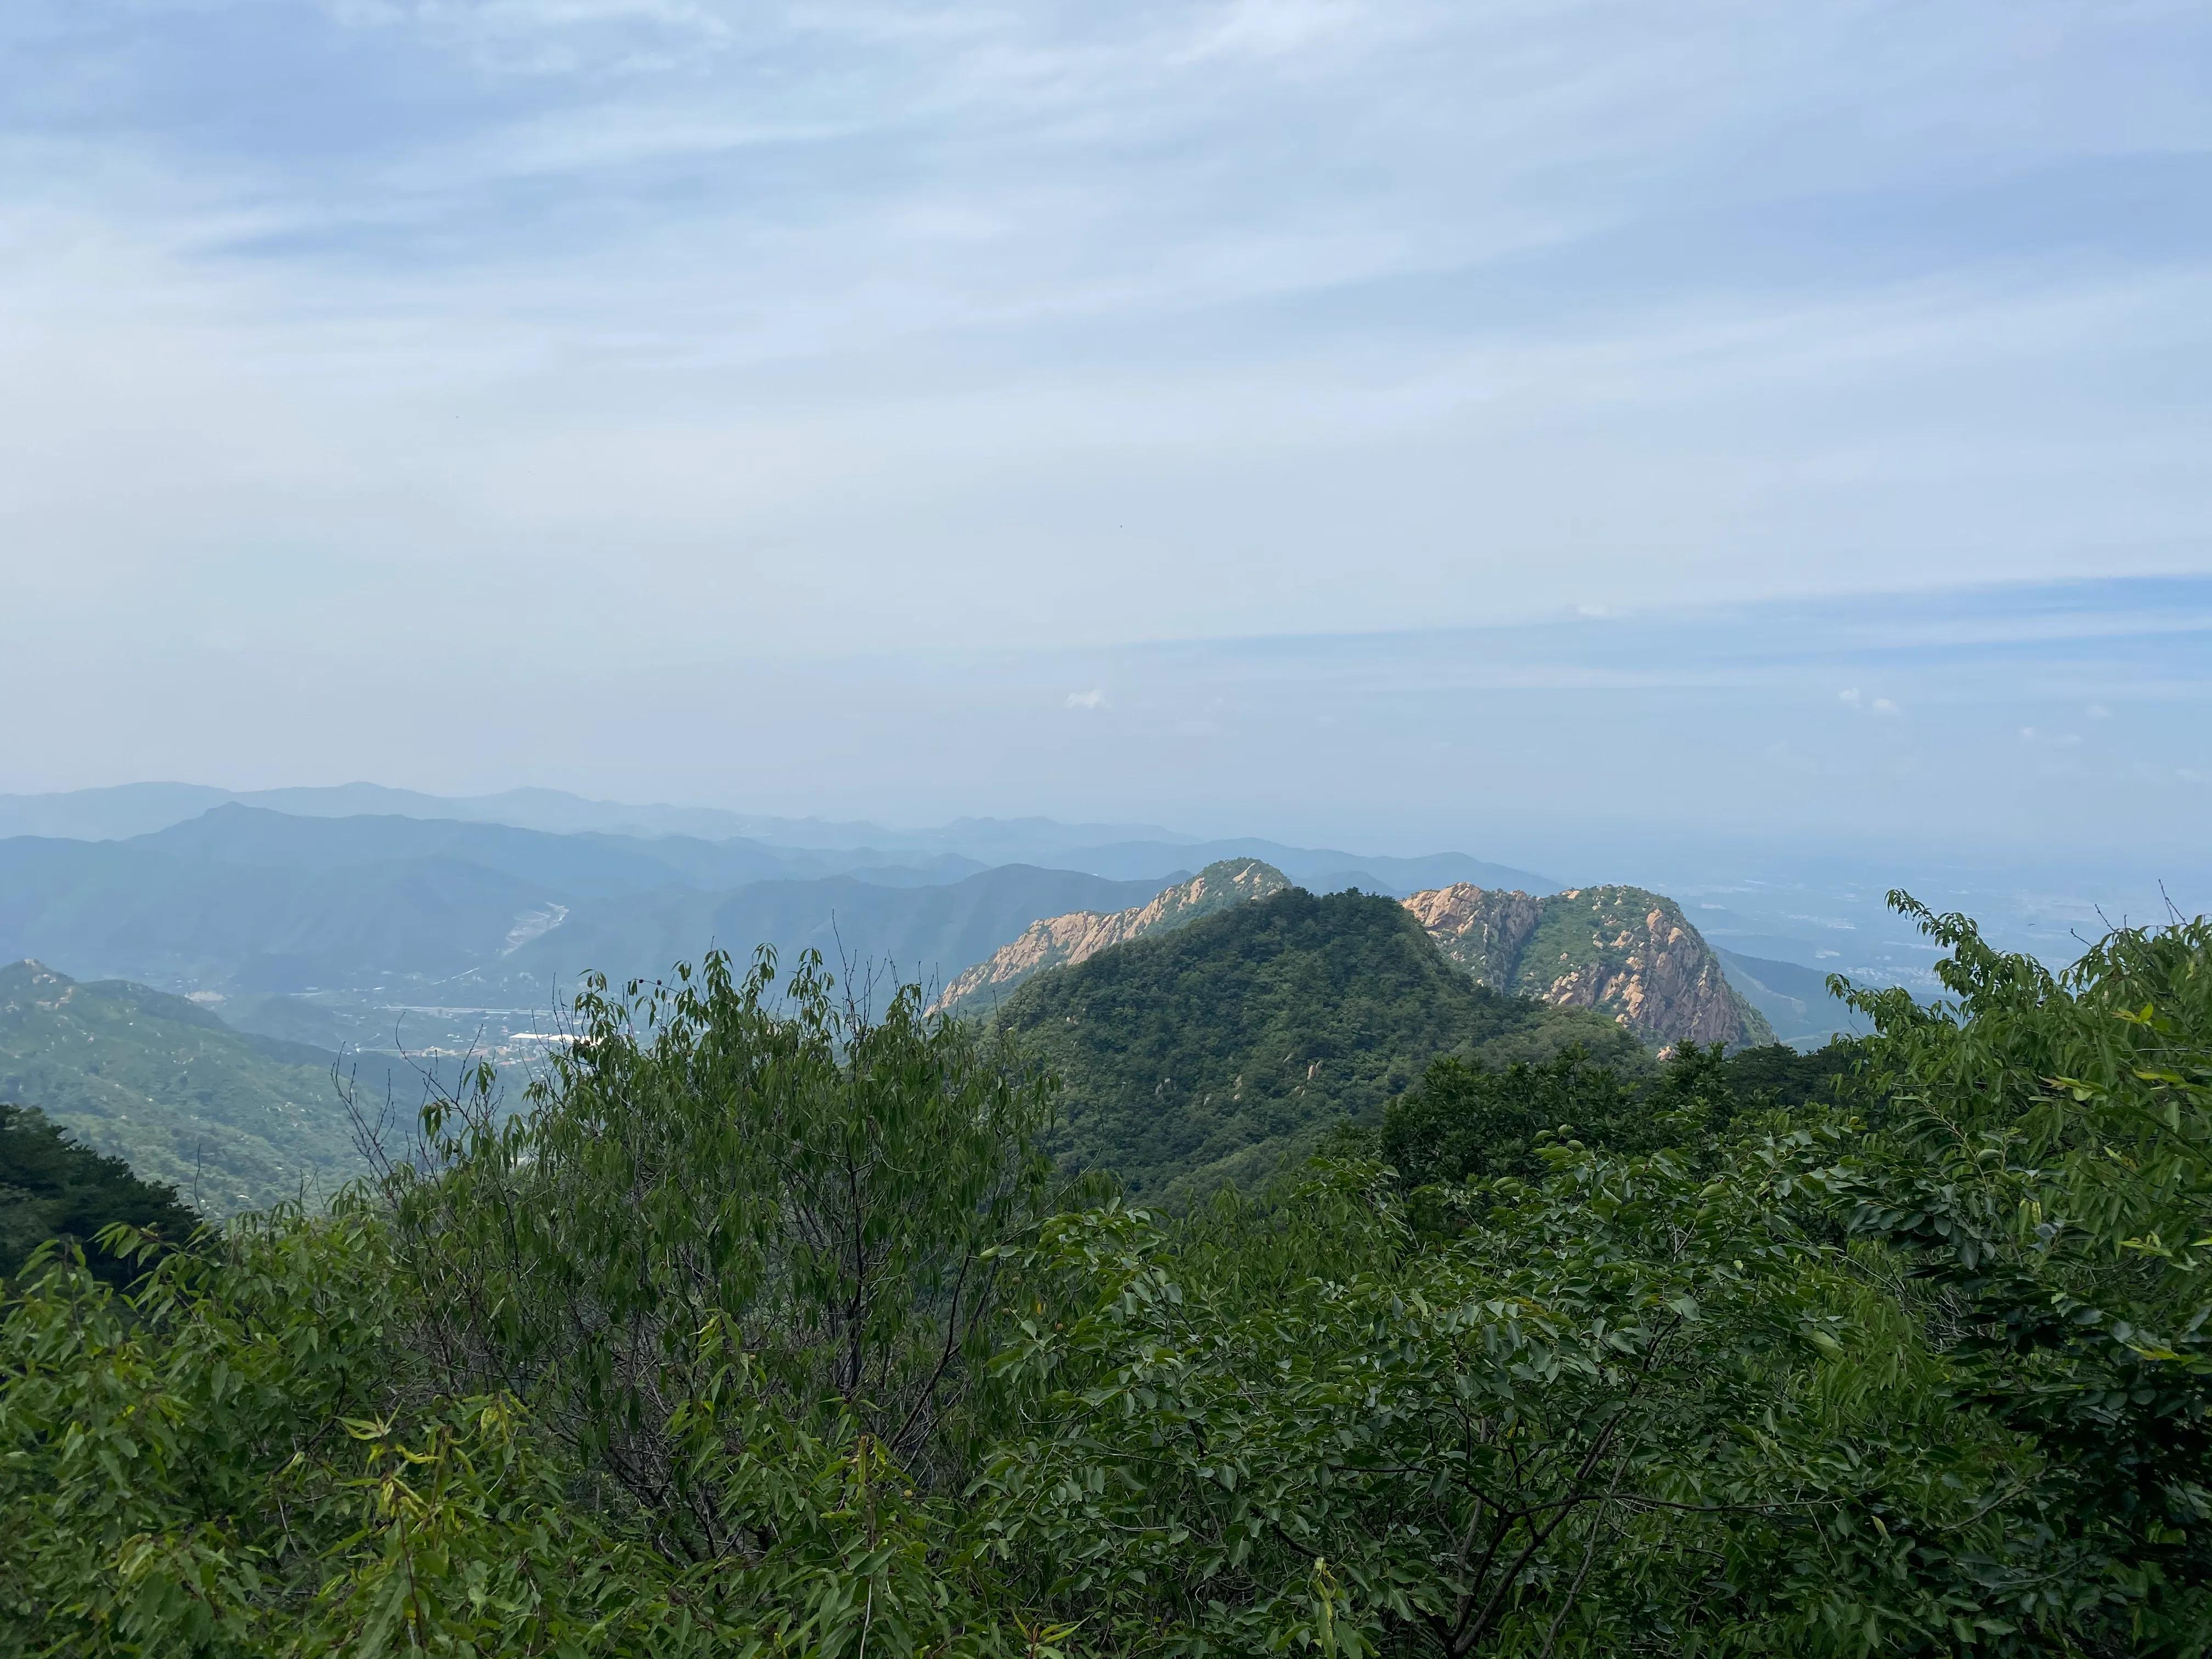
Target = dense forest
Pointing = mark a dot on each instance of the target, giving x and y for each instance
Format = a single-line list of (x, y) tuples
[(770, 1324)]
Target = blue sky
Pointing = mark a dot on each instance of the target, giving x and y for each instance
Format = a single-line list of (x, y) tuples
[(535, 391)]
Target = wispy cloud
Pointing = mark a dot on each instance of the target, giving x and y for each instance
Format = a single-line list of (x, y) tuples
[(641, 332)]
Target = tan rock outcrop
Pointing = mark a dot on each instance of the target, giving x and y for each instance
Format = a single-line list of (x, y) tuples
[(1621, 951), (1483, 929), (1058, 941)]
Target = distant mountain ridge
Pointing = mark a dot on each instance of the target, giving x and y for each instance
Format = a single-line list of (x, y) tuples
[(1622, 951), (1058, 941), (1118, 851), (242, 900), (925, 933), (588, 861), (121, 811)]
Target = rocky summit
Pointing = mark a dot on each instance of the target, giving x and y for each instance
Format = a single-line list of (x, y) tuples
[(1059, 941), (1622, 951)]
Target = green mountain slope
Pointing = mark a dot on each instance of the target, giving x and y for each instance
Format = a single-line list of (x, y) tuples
[(1209, 1053), (1081, 934), (232, 1121), (1622, 951)]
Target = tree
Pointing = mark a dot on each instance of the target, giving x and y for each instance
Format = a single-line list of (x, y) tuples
[(53, 1189), (1464, 1121), (711, 1172), (764, 1328), (685, 1356), (2049, 1172)]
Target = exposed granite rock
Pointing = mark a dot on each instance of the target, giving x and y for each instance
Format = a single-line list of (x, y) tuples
[(1621, 951), (1483, 929), (1058, 941)]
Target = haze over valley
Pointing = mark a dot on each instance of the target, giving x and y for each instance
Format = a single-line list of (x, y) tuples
[(432, 924)]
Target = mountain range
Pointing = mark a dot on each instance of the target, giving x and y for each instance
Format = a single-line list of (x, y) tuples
[(301, 937), (1620, 950), (244, 900), (391, 915), (1123, 851), (303, 926)]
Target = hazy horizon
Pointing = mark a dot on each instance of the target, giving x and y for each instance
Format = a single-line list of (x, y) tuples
[(1378, 424), (1998, 725)]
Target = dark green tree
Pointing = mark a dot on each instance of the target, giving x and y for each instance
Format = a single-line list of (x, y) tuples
[(51, 1188), (1464, 1121)]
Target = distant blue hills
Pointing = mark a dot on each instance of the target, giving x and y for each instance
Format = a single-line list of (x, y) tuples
[(231, 897)]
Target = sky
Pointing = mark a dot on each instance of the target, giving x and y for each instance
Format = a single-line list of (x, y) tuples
[(1299, 418)]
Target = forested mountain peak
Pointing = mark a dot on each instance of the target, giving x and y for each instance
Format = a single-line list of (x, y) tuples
[(32, 978), (1623, 950), (1058, 941), (1211, 1052)]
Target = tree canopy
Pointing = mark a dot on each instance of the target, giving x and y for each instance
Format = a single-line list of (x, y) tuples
[(767, 1326)]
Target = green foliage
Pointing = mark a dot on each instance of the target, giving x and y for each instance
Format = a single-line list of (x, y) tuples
[(766, 1329), (711, 1172), (686, 1357), (1640, 1412), (53, 1189), (1777, 1075), (1465, 1123), (1214, 1052), (2049, 1167)]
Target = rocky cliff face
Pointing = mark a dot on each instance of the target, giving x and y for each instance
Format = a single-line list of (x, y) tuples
[(1061, 939), (1483, 929), (1621, 951)]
